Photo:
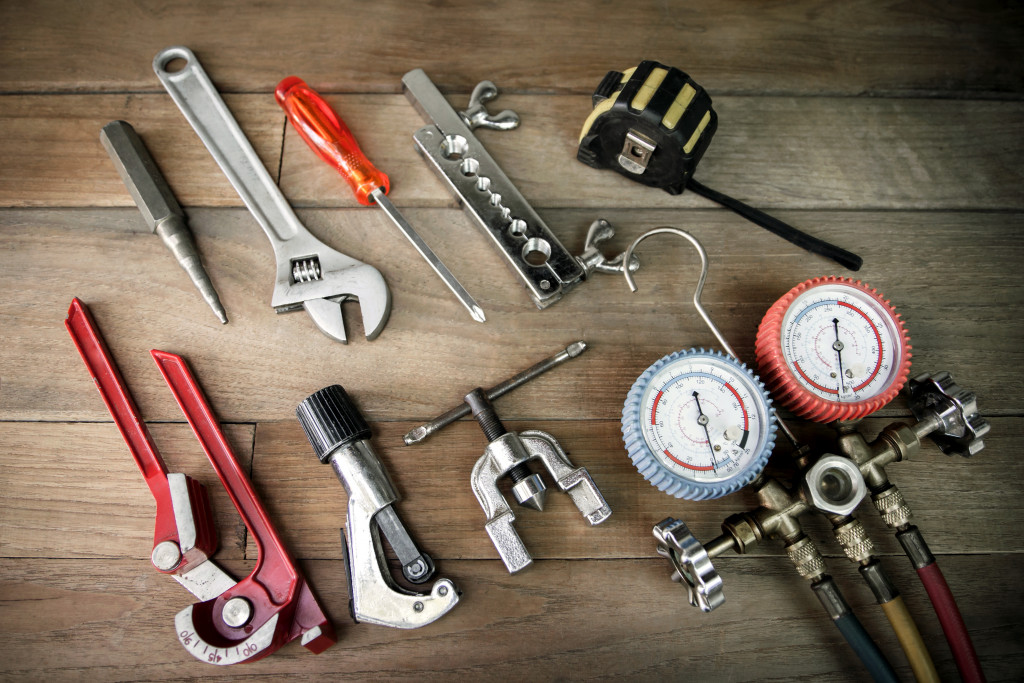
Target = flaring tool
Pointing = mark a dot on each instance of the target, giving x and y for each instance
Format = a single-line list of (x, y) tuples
[(234, 621), (310, 275), (328, 136), (531, 250), (340, 436), (508, 453), (157, 204)]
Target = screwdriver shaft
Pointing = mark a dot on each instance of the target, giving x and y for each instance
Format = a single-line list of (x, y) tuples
[(460, 411), (428, 254)]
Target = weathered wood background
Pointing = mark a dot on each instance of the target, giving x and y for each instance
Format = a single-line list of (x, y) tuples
[(893, 129)]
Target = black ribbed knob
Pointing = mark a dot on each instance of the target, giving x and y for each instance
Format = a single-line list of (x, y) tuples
[(331, 420)]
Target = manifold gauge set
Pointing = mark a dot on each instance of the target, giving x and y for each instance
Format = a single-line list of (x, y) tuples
[(698, 424)]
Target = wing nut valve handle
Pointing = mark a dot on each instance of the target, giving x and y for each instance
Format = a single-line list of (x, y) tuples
[(340, 436), (235, 621)]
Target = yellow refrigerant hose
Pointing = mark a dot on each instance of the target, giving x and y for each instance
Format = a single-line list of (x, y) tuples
[(910, 640)]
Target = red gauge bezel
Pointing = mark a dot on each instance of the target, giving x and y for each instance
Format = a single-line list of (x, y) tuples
[(789, 390)]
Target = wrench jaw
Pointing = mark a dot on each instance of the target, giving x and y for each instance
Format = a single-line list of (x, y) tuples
[(338, 278)]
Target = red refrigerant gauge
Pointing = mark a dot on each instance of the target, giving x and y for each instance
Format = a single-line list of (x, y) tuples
[(833, 349)]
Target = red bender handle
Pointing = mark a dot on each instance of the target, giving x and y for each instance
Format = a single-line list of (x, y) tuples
[(329, 137), (119, 402), (275, 574)]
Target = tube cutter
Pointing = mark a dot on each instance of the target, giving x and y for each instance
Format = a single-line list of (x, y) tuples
[(508, 453), (340, 436), (235, 621)]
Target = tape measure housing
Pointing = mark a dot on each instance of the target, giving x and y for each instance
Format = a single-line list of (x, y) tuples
[(651, 123)]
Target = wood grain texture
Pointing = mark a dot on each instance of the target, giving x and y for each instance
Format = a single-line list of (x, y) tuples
[(613, 619), (959, 301), (809, 46), (889, 128), (773, 152)]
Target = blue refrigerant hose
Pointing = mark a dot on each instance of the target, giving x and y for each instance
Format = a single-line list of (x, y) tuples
[(872, 658), (851, 628)]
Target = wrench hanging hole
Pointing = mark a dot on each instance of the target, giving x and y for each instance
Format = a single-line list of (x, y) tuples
[(175, 65), (454, 147), (536, 251)]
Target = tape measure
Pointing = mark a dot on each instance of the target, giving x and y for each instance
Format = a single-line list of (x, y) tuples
[(652, 124)]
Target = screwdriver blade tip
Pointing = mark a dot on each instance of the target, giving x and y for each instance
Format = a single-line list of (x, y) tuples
[(576, 349), (478, 314), (415, 436)]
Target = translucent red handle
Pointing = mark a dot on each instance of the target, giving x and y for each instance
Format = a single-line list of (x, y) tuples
[(329, 137)]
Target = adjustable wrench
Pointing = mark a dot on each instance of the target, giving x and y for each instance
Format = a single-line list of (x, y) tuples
[(234, 621), (310, 275)]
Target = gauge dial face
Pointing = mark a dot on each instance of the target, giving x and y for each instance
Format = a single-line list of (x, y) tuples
[(704, 420), (833, 349), (840, 344)]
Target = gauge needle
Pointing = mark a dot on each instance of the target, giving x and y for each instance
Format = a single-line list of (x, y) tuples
[(702, 420), (838, 346)]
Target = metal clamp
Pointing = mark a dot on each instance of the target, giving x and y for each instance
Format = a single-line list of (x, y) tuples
[(538, 258)]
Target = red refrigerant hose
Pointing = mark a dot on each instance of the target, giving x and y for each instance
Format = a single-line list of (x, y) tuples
[(944, 604), (952, 623)]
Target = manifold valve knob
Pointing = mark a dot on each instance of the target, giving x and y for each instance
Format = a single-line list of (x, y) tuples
[(691, 562), (938, 397)]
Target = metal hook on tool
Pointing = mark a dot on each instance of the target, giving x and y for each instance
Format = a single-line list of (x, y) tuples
[(628, 254)]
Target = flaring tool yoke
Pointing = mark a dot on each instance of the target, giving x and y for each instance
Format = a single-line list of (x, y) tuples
[(341, 437), (508, 453), (235, 621)]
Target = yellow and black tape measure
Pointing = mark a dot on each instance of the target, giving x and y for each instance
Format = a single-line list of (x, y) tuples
[(651, 123)]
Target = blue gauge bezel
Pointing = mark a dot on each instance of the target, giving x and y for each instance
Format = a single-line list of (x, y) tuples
[(651, 467)]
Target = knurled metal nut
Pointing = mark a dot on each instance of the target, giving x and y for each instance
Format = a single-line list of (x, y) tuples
[(891, 506), (808, 561)]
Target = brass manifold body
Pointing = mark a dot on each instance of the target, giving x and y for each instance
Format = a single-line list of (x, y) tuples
[(834, 485)]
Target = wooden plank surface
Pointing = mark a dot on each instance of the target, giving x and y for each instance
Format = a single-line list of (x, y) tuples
[(892, 129)]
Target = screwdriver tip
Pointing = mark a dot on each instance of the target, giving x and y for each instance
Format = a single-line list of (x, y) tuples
[(478, 314), (222, 316)]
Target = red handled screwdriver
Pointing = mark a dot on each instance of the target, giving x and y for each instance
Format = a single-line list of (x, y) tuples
[(330, 138)]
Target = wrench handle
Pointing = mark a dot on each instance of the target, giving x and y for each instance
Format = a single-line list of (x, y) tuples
[(328, 136), (201, 104), (274, 569)]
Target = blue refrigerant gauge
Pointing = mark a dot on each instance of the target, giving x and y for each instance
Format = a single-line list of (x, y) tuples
[(698, 424)]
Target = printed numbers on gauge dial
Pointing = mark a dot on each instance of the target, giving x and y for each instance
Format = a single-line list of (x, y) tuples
[(833, 349), (698, 424)]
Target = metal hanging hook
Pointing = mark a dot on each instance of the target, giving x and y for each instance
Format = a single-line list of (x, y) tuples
[(628, 254)]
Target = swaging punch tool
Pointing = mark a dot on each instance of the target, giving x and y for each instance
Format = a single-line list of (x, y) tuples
[(340, 436), (507, 454), (235, 621), (310, 275), (540, 261)]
